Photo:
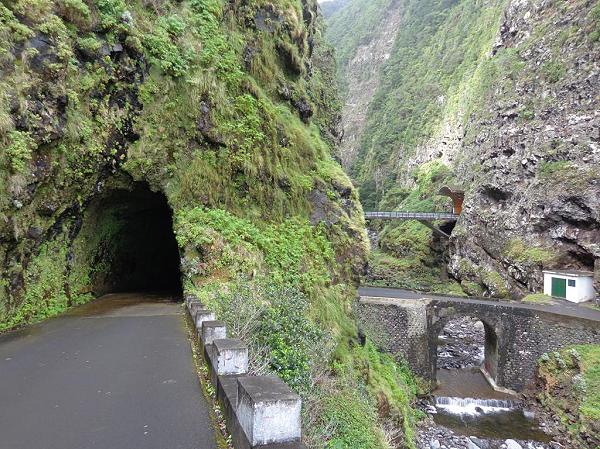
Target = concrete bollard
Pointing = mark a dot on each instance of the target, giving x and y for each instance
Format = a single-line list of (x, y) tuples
[(268, 410), (211, 331), (194, 306), (202, 315), (230, 356), (189, 298)]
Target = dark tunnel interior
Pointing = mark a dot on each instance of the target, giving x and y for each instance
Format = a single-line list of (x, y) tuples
[(135, 246)]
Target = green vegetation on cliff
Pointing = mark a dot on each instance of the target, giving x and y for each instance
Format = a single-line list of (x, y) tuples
[(487, 90), (227, 109), (570, 390)]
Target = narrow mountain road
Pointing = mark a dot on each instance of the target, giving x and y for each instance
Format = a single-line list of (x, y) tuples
[(117, 373), (559, 307)]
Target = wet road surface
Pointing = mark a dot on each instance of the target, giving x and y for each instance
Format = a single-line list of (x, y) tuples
[(115, 374)]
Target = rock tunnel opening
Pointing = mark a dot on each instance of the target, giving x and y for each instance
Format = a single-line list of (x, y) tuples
[(130, 243), (466, 344)]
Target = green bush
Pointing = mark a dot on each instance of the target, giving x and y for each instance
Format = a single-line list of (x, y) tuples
[(351, 421), (19, 150), (75, 11), (554, 71), (289, 335), (111, 12)]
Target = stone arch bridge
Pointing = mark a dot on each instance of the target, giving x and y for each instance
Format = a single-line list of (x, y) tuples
[(408, 325)]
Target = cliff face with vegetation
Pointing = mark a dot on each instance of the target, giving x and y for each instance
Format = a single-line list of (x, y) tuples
[(226, 111), (568, 389), (498, 98)]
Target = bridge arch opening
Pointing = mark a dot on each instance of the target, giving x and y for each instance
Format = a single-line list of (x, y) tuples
[(127, 239), (465, 343)]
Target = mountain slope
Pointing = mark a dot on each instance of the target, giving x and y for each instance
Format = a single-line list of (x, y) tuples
[(503, 97)]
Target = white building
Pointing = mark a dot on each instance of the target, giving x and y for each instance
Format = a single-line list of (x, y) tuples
[(572, 285)]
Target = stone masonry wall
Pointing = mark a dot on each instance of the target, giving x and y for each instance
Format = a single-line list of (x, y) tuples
[(397, 330), (515, 337)]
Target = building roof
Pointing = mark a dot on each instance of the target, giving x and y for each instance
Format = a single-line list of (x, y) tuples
[(572, 273)]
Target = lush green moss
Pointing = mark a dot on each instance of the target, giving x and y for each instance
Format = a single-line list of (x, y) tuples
[(571, 390), (552, 168), (537, 298), (46, 279), (517, 250), (19, 150), (595, 34)]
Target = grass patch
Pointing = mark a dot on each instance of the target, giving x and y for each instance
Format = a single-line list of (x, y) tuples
[(518, 250), (537, 298)]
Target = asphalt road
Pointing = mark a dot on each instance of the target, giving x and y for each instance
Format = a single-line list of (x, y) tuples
[(557, 306), (115, 374)]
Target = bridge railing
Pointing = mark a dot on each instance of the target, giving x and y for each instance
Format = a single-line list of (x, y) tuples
[(398, 215)]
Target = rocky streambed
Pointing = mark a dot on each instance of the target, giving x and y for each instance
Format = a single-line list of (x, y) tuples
[(461, 344), (438, 437), (465, 413)]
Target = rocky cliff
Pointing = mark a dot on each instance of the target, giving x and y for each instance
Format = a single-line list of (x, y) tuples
[(214, 105), (500, 99), (188, 144)]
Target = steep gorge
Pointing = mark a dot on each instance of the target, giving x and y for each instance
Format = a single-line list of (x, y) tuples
[(497, 98)]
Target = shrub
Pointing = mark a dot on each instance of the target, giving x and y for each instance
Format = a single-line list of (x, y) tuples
[(289, 335), (553, 71), (164, 52), (19, 150), (75, 11)]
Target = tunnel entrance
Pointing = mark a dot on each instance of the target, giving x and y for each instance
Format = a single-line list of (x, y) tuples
[(130, 244)]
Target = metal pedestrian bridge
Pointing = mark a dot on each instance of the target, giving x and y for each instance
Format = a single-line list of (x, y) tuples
[(421, 216)]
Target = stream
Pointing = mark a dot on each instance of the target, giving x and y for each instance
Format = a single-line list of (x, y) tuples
[(465, 412)]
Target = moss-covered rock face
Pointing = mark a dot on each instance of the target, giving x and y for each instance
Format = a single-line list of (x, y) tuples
[(216, 106), (569, 394), (196, 135), (504, 94)]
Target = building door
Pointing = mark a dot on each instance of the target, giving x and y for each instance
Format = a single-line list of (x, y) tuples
[(559, 287)]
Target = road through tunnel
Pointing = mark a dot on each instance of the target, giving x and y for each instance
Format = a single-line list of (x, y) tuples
[(128, 240)]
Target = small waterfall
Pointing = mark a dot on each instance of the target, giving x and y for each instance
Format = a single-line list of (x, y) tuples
[(471, 406)]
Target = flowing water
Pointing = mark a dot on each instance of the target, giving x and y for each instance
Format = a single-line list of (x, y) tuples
[(466, 404)]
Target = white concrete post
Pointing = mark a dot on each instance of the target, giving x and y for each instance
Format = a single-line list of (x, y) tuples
[(202, 315), (211, 331), (190, 298), (268, 410), (230, 356), (194, 306)]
